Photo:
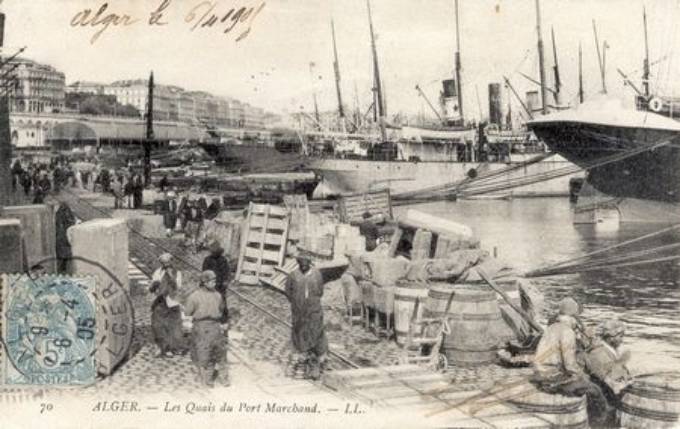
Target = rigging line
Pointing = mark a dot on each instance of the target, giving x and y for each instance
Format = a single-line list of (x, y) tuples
[(602, 267), (624, 257), (608, 248)]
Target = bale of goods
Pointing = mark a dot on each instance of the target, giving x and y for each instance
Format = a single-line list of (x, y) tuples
[(11, 248), (447, 245), (405, 296), (384, 271), (475, 321), (651, 401), (416, 219), (348, 240), (422, 244), (383, 299), (105, 241), (227, 232), (557, 411), (37, 227)]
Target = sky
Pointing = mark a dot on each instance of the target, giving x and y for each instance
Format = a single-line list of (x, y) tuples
[(270, 67)]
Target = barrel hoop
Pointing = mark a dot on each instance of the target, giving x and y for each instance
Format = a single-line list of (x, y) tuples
[(448, 348), (407, 298), (473, 316), (672, 396), (663, 416), (479, 297), (549, 408)]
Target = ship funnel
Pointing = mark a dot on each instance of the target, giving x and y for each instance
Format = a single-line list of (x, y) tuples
[(450, 102), (495, 111)]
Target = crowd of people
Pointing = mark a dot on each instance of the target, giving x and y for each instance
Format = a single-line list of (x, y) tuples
[(37, 179)]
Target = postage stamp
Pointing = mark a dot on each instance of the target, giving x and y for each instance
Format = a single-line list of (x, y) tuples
[(49, 330)]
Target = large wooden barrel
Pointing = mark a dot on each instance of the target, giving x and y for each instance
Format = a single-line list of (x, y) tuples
[(651, 401), (438, 297), (555, 411), (405, 296), (37, 227), (475, 320)]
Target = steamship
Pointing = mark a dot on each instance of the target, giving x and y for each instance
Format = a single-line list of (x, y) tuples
[(643, 187)]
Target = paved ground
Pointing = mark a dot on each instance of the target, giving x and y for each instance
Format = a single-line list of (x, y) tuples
[(260, 345)]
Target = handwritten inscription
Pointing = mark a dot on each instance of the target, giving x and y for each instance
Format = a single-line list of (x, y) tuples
[(221, 16)]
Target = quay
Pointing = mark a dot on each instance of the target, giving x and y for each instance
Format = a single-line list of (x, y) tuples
[(261, 357)]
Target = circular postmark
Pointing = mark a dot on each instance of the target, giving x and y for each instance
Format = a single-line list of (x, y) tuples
[(50, 330)]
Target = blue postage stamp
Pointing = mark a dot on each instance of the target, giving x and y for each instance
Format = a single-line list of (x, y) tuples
[(49, 330)]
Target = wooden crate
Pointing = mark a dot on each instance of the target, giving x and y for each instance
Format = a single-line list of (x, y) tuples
[(278, 280), (264, 243), (351, 207)]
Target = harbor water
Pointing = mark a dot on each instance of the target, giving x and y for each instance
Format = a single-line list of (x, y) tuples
[(533, 233)]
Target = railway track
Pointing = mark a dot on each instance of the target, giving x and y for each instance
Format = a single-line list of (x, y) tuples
[(144, 253)]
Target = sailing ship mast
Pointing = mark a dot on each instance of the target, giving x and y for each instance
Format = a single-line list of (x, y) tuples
[(556, 69), (149, 132), (645, 65), (377, 85), (458, 67), (541, 62), (336, 67), (580, 74)]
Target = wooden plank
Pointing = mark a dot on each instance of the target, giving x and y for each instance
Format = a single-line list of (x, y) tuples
[(267, 238), (262, 255), (248, 279), (256, 267), (261, 252), (269, 224), (269, 210), (244, 242)]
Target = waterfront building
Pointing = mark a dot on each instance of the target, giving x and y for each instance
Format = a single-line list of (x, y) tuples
[(38, 87)]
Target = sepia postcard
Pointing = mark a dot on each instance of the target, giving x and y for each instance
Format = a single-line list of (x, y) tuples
[(339, 213)]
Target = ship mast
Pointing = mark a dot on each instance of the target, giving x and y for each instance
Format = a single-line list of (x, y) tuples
[(377, 85), (580, 74), (336, 67), (458, 67), (645, 65), (317, 117), (556, 69), (149, 132), (541, 62), (600, 58)]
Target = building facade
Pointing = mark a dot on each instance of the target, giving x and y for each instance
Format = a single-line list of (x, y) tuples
[(37, 88)]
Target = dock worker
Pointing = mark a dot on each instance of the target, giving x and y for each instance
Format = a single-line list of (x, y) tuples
[(218, 263), (557, 370), (170, 216), (304, 289), (208, 340), (63, 220), (606, 363), (166, 315), (370, 230)]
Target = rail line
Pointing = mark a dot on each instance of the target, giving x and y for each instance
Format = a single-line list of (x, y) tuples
[(147, 250)]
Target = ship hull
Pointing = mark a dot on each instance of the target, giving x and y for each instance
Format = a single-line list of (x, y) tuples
[(253, 157), (345, 176), (652, 175)]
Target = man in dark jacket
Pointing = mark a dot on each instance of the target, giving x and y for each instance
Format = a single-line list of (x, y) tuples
[(17, 171), (218, 263), (64, 219), (138, 191)]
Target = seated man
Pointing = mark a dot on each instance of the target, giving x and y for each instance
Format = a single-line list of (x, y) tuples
[(557, 370), (606, 363)]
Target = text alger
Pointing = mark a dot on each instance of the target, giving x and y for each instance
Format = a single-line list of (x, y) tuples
[(204, 14)]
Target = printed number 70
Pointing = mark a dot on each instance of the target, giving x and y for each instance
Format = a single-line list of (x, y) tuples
[(46, 407)]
